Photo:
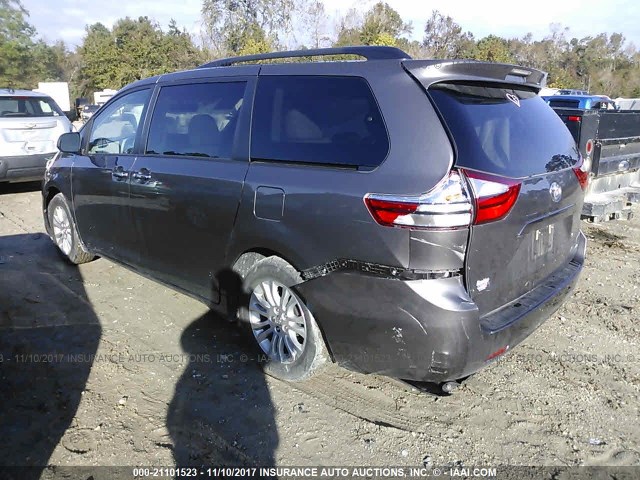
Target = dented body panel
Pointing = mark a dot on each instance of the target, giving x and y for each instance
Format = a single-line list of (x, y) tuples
[(507, 259), (435, 333), (439, 250)]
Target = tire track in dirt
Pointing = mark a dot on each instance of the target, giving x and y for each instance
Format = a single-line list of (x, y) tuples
[(374, 399)]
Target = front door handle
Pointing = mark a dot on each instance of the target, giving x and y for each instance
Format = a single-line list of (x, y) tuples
[(119, 173), (142, 175)]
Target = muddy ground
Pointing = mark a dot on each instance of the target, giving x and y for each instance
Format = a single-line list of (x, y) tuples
[(103, 367)]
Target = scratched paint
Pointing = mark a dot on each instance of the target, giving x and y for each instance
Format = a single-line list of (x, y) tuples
[(397, 336), (482, 284)]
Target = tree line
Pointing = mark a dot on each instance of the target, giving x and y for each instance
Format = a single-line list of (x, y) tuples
[(137, 48)]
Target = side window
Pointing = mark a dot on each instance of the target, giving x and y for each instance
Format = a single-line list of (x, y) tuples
[(327, 120), (45, 107), (197, 120), (114, 129)]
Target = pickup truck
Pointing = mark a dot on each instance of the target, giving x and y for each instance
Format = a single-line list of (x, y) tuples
[(609, 141), (585, 102)]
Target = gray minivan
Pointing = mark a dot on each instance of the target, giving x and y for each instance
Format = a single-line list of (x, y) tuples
[(412, 218)]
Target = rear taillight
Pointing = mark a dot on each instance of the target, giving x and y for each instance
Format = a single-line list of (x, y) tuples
[(494, 196), (574, 118), (446, 206), (582, 173)]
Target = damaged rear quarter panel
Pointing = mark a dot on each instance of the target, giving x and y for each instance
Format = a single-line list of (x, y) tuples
[(413, 329), (438, 250)]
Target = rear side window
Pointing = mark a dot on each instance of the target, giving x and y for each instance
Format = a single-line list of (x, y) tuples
[(18, 106), (507, 132), (197, 120), (313, 119)]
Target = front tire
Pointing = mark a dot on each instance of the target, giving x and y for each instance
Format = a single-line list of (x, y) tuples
[(64, 233), (281, 323)]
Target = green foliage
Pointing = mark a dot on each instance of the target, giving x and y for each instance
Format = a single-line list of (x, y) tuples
[(381, 25), (493, 49), (253, 46), (560, 80), (248, 40), (23, 60), (132, 50), (383, 39), (99, 56), (600, 63)]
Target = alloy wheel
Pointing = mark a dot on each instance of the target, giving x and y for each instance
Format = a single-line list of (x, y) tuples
[(62, 229), (277, 319)]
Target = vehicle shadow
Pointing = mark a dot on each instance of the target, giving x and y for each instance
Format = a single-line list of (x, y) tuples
[(221, 412), (49, 334), (20, 187)]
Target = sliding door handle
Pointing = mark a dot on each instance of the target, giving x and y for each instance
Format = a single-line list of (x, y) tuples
[(119, 173), (142, 175)]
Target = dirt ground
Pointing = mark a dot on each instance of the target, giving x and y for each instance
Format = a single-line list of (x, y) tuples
[(103, 367)]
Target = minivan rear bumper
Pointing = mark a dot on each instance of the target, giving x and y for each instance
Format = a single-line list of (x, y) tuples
[(426, 330), (23, 168)]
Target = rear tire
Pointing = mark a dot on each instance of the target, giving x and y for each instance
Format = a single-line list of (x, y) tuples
[(284, 328), (64, 233)]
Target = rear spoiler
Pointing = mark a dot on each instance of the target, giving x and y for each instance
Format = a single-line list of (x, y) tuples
[(428, 72)]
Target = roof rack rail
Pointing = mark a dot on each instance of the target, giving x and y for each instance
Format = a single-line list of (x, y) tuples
[(368, 52)]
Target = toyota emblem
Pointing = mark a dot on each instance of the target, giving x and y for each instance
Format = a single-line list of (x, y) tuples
[(555, 191)]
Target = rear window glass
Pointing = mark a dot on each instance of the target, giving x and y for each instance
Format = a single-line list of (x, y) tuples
[(325, 120), (18, 106), (564, 103), (503, 131)]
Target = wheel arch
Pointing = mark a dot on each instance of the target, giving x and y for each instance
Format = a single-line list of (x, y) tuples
[(231, 277), (50, 191), (243, 264)]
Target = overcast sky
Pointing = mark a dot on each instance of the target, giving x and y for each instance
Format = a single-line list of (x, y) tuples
[(66, 19)]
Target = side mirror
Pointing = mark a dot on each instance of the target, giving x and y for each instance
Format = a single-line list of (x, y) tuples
[(69, 142)]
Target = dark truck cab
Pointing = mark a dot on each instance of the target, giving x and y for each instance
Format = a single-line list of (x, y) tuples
[(609, 141)]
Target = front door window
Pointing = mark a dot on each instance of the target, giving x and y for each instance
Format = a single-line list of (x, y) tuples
[(115, 128)]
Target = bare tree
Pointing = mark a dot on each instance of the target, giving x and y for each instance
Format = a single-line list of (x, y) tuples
[(230, 25), (317, 23)]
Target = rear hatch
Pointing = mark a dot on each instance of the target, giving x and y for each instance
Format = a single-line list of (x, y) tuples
[(522, 168), (509, 136), (30, 125)]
